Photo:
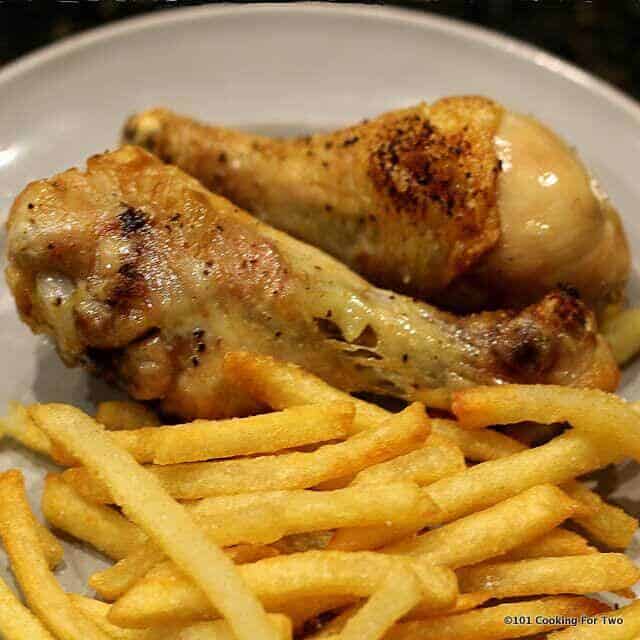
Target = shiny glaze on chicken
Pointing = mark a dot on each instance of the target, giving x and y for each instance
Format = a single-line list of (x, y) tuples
[(461, 202), (139, 272)]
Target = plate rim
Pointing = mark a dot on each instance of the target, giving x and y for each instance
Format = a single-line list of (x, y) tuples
[(507, 44)]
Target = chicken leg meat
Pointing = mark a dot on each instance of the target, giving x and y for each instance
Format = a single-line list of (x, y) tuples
[(461, 202), (140, 273)]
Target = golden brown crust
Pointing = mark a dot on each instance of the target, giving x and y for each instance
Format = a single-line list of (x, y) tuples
[(437, 167), (407, 199)]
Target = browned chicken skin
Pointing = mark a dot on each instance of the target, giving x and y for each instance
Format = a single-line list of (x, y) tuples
[(461, 202), (138, 271)]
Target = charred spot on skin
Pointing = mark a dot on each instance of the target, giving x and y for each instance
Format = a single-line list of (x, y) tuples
[(350, 141), (132, 220), (524, 349), (222, 158)]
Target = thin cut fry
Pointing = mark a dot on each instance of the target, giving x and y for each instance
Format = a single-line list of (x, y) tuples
[(111, 583), (486, 484), (102, 527), (217, 630), (400, 434), (608, 525), (220, 630), (438, 458), (269, 516), (161, 518), (477, 446), (399, 592), (605, 629), (549, 576), (266, 433), (464, 602), (116, 415), (492, 532), (19, 426), (623, 335), (51, 546), (97, 612), (281, 384), (556, 543), (165, 595), (39, 586), (16, 621), (496, 623), (602, 416)]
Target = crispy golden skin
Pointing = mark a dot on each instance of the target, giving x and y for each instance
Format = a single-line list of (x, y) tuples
[(460, 202), (139, 272)]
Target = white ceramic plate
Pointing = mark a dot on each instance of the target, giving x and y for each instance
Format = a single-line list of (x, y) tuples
[(284, 68)]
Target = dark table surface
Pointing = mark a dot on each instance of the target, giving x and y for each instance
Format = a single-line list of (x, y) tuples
[(601, 36)]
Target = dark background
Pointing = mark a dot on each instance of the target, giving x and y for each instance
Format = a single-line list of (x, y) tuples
[(602, 36)]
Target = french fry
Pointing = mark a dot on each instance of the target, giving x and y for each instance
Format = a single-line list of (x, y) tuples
[(19, 426), (111, 583), (165, 595), (608, 525), (398, 593), (464, 602), (438, 458), (281, 384), (623, 335), (51, 546), (97, 612), (269, 516), (207, 439), (629, 629), (266, 433), (161, 518), (39, 586), (495, 623), (400, 434), (601, 416), (549, 576), (102, 527), (492, 532), (216, 630), (116, 415), (486, 484), (556, 543), (220, 630), (477, 446), (16, 621)]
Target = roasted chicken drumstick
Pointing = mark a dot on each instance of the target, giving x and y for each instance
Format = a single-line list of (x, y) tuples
[(462, 202), (136, 270)]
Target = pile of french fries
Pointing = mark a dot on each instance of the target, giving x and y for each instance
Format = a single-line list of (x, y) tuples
[(327, 517)]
